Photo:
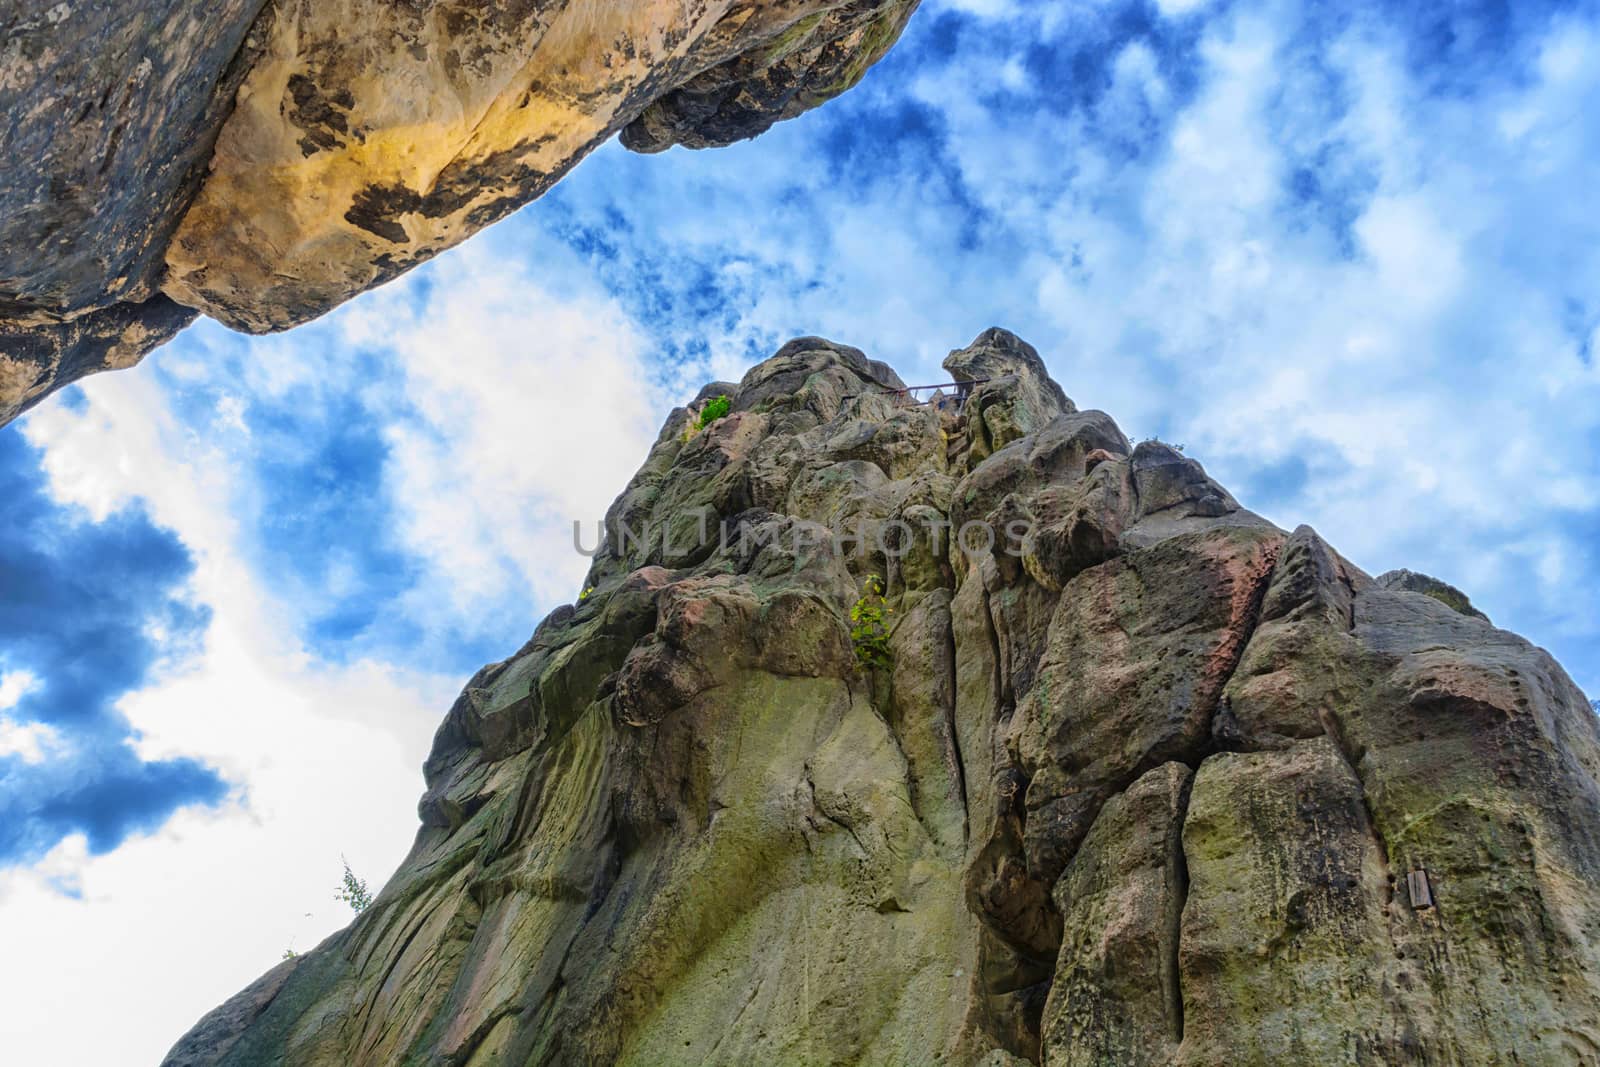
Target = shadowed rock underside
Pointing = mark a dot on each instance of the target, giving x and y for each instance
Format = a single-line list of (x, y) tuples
[(262, 162), (1150, 781)]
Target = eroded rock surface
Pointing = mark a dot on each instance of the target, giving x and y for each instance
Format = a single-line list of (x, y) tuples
[(262, 162), (1147, 780), (111, 112), (39, 359)]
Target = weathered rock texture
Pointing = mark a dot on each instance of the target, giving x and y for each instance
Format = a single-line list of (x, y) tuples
[(111, 112), (262, 162), (1443, 592), (1149, 781)]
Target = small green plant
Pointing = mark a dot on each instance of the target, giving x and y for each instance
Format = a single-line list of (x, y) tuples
[(290, 954), (1159, 441), (869, 627), (354, 891), (716, 408)]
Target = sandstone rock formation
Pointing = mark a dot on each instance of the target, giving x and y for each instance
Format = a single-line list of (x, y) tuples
[(262, 162), (1443, 592), (1149, 781)]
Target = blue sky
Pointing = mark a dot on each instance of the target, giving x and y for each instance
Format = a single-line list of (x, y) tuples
[(90, 609), (1346, 254)]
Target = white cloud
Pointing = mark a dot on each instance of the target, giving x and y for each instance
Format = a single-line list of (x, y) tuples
[(533, 409), (326, 761), (1417, 258), (989, 9), (14, 685), (30, 742)]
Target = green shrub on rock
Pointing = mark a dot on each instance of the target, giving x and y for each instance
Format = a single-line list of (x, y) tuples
[(869, 627), (716, 408), (353, 891)]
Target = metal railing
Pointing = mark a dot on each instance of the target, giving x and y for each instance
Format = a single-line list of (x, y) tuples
[(910, 392)]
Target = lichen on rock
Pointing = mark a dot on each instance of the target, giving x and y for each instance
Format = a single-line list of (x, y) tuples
[(1145, 783)]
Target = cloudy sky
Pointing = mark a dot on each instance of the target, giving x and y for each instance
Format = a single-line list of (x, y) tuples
[(1347, 254)]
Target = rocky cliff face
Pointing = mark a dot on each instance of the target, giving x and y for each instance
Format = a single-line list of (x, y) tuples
[(1146, 780), (263, 162)]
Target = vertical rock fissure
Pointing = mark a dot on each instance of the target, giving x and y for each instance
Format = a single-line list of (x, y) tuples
[(1024, 1042), (1242, 629), (954, 730), (1178, 899), (1192, 751), (1246, 623), (749, 999), (889, 715), (977, 433), (389, 970), (1350, 587), (1352, 759), (1002, 706), (532, 1009), (479, 1035)]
